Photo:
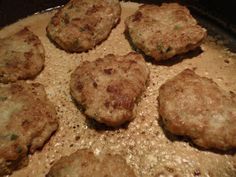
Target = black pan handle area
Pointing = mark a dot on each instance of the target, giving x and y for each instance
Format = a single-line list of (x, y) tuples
[(12, 10), (222, 8)]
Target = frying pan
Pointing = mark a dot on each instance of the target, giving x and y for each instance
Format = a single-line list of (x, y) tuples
[(220, 23)]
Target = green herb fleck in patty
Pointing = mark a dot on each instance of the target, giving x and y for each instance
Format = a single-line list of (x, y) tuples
[(3, 98)]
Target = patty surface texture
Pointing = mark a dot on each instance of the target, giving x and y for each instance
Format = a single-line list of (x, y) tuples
[(27, 120), (108, 88), (197, 107), (164, 31), (84, 163), (82, 24), (21, 56)]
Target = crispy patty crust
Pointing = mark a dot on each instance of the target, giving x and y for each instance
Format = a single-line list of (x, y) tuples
[(109, 87), (21, 56), (197, 107), (164, 31), (82, 24), (27, 120), (85, 163)]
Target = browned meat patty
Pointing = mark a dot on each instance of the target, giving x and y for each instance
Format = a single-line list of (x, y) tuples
[(85, 163), (164, 31), (27, 120), (21, 56), (82, 24), (109, 87), (197, 107)]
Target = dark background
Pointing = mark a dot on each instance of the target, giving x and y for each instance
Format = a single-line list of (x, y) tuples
[(223, 12), (12, 10)]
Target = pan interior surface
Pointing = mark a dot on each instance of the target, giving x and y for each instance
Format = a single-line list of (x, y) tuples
[(147, 148)]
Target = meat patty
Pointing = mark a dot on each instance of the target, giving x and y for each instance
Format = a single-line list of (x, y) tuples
[(82, 24), (164, 31), (109, 87), (197, 107), (27, 120), (21, 56), (85, 163)]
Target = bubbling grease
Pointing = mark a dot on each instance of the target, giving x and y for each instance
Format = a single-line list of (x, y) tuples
[(142, 142)]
